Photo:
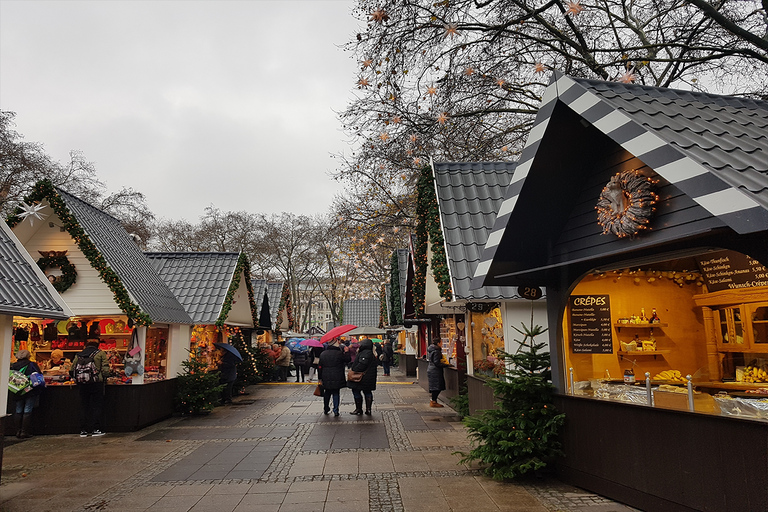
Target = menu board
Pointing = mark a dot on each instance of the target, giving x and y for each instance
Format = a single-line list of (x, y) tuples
[(591, 331), (727, 270)]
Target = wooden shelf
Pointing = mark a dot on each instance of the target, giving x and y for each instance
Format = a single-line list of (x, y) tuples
[(76, 349), (623, 353), (641, 326)]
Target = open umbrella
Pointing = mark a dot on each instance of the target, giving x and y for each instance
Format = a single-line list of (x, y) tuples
[(377, 340), (311, 342), (295, 345), (229, 348), (337, 331)]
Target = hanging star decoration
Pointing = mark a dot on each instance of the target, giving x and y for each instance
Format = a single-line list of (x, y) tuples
[(505, 148), (363, 82), (442, 118), (396, 120), (367, 63), (469, 71), (431, 90), (451, 30), (33, 211), (384, 136), (628, 77), (379, 16), (574, 7), (414, 137), (539, 68), (500, 82), (416, 161)]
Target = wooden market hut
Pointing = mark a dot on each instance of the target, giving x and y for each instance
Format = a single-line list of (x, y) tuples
[(216, 292), (473, 324), (113, 291), (24, 292), (628, 188)]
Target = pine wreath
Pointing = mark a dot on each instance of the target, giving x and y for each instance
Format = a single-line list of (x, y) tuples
[(626, 204), (68, 275)]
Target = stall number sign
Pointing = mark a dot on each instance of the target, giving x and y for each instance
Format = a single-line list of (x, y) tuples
[(591, 331), (729, 270)]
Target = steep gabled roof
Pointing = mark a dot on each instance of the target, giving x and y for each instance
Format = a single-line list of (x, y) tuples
[(24, 290), (362, 312), (199, 280), (468, 196), (713, 148), (403, 261), (274, 294)]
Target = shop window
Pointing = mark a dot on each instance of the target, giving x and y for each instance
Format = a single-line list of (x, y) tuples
[(487, 340), (155, 361)]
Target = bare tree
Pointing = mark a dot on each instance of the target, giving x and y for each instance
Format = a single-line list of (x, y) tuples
[(462, 79)]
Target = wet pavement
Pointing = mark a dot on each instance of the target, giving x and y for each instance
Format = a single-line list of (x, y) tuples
[(274, 450)]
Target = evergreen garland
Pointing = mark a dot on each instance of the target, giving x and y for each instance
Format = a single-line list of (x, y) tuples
[(242, 266), (522, 435), (420, 245), (383, 320), (428, 226), (44, 189), (395, 301)]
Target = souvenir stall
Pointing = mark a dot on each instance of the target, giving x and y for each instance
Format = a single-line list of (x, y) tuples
[(654, 258), (26, 292), (116, 298)]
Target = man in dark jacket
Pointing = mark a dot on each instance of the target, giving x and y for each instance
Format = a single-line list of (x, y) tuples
[(227, 374), (387, 356), (92, 392), (366, 362), (331, 374)]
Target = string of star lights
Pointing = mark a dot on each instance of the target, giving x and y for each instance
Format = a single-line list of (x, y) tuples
[(626, 203)]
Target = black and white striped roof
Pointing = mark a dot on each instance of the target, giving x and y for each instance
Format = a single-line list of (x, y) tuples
[(713, 148)]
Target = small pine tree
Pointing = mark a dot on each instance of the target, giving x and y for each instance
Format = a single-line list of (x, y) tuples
[(198, 389), (520, 436), (247, 369)]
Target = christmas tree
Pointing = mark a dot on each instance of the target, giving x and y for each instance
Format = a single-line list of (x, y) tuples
[(247, 370), (520, 436), (198, 389)]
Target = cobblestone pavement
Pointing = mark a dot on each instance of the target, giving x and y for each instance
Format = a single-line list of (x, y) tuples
[(274, 451)]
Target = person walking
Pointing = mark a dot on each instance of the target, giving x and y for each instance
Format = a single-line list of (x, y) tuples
[(28, 401), (90, 369), (283, 363), (314, 361), (435, 376), (367, 363), (227, 375), (300, 361), (387, 356), (331, 374)]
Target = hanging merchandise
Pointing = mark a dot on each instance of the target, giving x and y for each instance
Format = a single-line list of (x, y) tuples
[(132, 360)]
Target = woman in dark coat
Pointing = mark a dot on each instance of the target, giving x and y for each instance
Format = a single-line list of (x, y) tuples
[(435, 376), (227, 375), (25, 403), (366, 362), (331, 374)]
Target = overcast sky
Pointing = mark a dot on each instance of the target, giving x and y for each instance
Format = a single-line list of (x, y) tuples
[(190, 102)]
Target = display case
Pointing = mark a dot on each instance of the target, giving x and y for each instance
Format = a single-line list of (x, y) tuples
[(740, 319)]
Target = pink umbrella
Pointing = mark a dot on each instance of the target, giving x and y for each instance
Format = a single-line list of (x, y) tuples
[(337, 331), (311, 342)]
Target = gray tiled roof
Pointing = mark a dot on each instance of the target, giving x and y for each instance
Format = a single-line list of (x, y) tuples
[(712, 148), (362, 312), (199, 280), (259, 289), (22, 290), (726, 134), (468, 195), (125, 258), (274, 294)]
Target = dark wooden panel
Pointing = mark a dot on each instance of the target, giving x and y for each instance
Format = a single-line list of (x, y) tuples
[(480, 395), (658, 459)]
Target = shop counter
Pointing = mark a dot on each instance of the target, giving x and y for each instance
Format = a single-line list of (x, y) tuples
[(127, 408)]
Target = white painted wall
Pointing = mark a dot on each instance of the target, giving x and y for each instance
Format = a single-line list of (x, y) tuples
[(179, 337), (517, 313), (89, 296), (240, 314)]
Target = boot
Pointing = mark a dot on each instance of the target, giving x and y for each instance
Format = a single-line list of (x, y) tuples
[(368, 404), (326, 406), (26, 423), (17, 422), (358, 407), (434, 403)]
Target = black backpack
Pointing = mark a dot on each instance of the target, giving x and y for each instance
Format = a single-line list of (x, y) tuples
[(85, 370)]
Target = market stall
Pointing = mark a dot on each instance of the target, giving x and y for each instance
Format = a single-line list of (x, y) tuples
[(652, 249), (116, 298)]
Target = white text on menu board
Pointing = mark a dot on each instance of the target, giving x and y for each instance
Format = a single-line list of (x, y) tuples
[(591, 324), (721, 270)]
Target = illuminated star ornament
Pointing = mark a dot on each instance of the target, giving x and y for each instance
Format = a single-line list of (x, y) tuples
[(539, 68), (416, 161), (500, 82), (396, 120), (379, 16), (469, 71), (363, 82), (574, 7), (451, 30), (33, 211), (384, 136), (628, 77), (442, 118), (414, 137), (367, 63), (431, 90)]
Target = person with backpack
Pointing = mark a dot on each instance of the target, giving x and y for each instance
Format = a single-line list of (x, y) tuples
[(25, 402), (90, 370)]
